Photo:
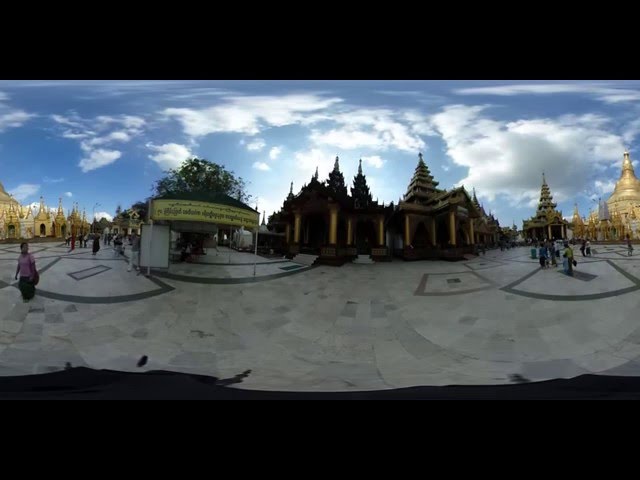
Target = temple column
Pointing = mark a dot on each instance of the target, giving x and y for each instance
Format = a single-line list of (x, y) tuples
[(333, 225), (381, 231), (407, 238), (296, 227), (452, 228), (287, 233), (471, 233), (349, 232), (564, 232), (549, 228), (433, 231)]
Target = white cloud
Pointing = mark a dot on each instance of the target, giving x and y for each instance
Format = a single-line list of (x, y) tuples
[(127, 121), (3, 97), (169, 155), (374, 161), (261, 166), (75, 135), (129, 127), (52, 180), (68, 194), (119, 136), (275, 152), (603, 188), (24, 191), (98, 159), (257, 145), (71, 122), (378, 129), (100, 215), (602, 92), (249, 114), (13, 119), (348, 138), (308, 160), (506, 159)]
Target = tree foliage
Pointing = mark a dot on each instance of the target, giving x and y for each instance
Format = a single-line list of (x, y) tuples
[(197, 174)]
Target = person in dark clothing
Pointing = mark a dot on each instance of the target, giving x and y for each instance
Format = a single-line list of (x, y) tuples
[(583, 247), (28, 273), (96, 244)]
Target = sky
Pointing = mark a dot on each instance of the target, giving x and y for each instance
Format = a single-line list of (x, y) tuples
[(105, 143)]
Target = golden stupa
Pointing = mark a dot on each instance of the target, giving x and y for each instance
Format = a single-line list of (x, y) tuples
[(626, 196), (6, 200)]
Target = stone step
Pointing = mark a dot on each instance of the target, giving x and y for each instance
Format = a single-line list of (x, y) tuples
[(305, 259), (363, 259)]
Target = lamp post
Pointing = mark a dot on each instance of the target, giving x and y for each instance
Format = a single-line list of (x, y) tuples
[(94, 217)]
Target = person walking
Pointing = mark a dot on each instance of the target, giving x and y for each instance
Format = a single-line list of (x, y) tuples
[(542, 253), (134, 259), (629, 246), (552, 253), (588, 245), (567, 260), (29, 276), (96, 244)]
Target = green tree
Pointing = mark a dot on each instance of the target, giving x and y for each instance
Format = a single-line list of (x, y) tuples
[(197, 174), (142, 208), (118, 210)]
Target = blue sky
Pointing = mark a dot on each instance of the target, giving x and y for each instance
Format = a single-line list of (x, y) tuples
[(106, 142)]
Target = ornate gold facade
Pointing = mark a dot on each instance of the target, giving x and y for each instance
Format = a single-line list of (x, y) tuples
[(548, 222), (20, 222), (623, 206)]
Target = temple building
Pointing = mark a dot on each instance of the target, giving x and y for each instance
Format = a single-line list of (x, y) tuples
[(623, 206), (618, 216), (324, 220), (486, 227), (626, 195), (127, 222), (21, 223), (327, 221), (547, 223), (433, 223)]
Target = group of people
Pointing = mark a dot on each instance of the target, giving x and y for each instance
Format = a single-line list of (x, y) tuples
[(28, 274), (549, 251), (82, 242), (585, 248)]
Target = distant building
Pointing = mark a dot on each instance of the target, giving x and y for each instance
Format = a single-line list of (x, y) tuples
[(20, 222), (323, 219), (547, 223)]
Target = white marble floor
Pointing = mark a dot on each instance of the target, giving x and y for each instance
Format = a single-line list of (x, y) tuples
[(356, 327)]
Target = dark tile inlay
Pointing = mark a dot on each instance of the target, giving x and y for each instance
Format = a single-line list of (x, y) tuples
[(573, 298), (517, 378), (585, 277), (377, 311), (88, 272), (467, 320), (36, 309), (291, 267), (53, 318), (349, 310), (70, 309), (453, 280), (140, 333)]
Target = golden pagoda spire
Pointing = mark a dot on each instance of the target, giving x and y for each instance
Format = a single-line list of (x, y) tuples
[(421, 186), (42, 208), (60, 210)]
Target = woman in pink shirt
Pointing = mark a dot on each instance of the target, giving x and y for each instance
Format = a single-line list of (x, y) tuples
[(28, 273)]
